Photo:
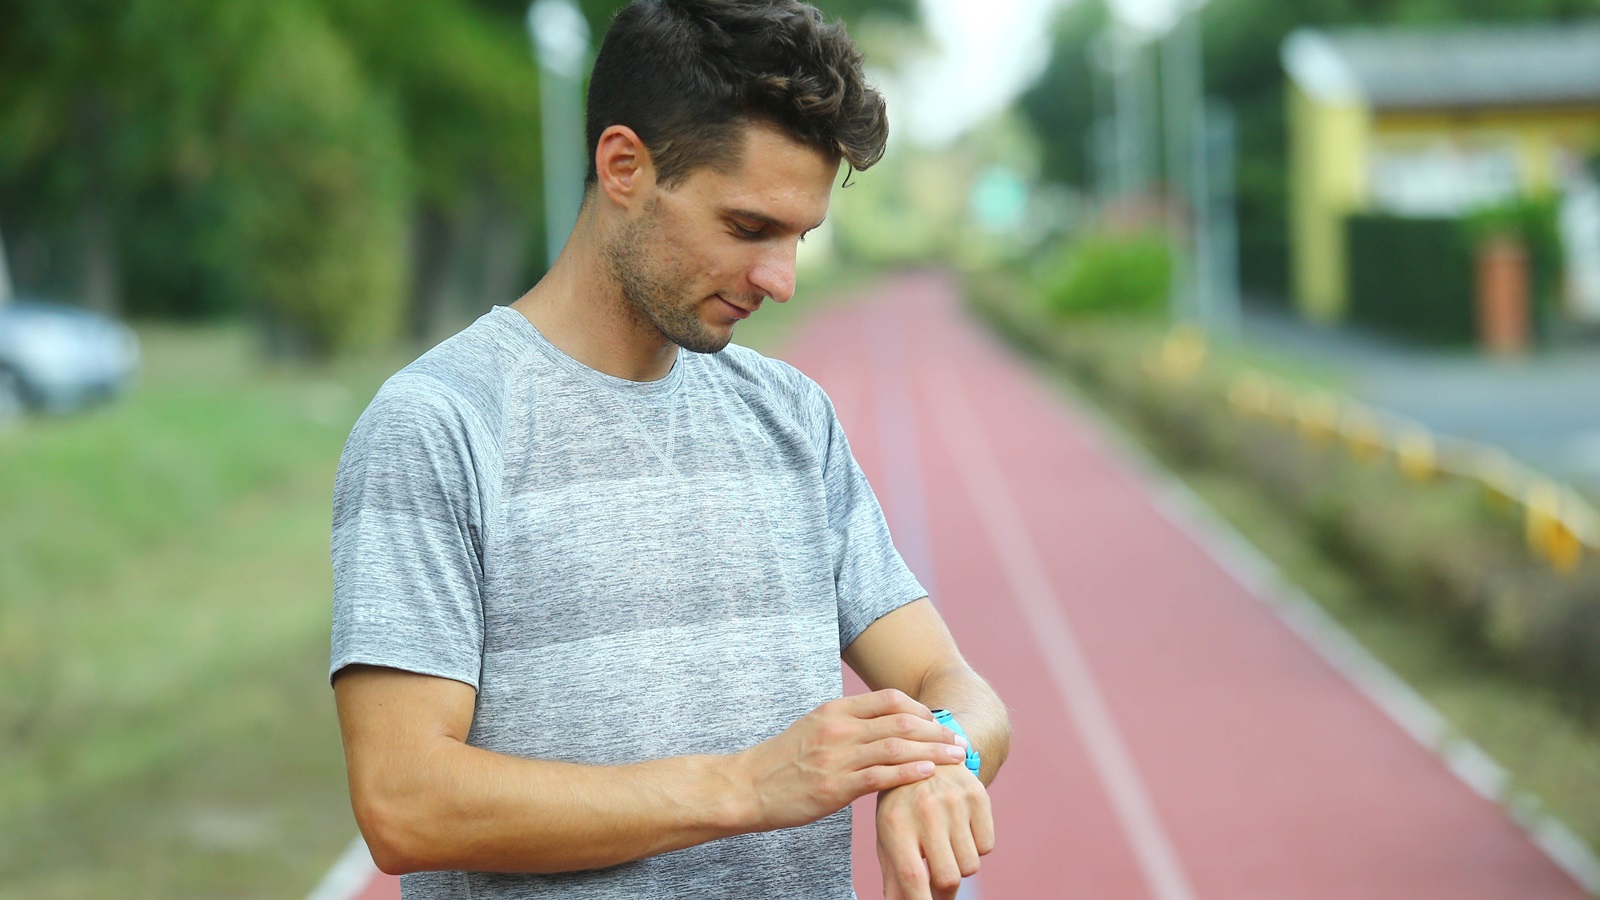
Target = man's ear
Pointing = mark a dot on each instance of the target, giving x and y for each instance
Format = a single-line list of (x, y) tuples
[(623, 166)]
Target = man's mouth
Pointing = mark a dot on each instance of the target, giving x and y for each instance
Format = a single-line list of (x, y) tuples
[(734, 309)]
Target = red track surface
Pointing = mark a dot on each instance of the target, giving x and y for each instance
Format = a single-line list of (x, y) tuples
[(1173, 738)]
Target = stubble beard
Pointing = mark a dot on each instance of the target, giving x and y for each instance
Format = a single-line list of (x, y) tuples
[(655, 297)]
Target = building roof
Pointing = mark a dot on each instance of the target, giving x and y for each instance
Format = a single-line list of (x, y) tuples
[(1449, 67)]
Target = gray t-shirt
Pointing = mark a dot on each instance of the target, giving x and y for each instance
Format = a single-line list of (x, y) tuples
[(624, 571)]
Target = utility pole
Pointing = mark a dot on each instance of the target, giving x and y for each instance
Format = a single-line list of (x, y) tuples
[(560, 38)]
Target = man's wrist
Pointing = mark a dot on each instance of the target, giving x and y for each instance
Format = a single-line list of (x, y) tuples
[(722, 799), (973, 761)]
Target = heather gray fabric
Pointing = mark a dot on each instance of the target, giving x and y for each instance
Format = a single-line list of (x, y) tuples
[(624, 571)]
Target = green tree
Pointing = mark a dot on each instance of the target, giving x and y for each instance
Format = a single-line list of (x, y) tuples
[(206, 157), (599, 12), (71, 140), (467, 94), (1060, 104), (318, 188), (171, 102)]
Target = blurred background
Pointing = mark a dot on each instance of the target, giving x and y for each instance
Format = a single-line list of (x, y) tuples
[(1335, 262)]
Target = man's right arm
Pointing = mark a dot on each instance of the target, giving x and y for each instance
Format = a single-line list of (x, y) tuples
[(426, 800)]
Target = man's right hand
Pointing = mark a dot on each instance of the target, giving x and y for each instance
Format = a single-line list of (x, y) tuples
[(842, 750)]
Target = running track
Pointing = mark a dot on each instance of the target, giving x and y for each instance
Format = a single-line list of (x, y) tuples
[(1173, 737)]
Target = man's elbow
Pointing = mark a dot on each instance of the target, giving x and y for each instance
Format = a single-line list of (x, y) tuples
[(392, 829), (390, 861)]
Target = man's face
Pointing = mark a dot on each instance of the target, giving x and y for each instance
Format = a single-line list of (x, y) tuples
[(699, 257)]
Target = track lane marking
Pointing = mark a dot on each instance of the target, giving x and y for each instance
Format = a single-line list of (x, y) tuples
[(900, 458), (350, 876), (1002, 522), (1263, 580)]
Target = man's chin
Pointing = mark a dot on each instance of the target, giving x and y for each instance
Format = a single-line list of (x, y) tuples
[(707, 340)]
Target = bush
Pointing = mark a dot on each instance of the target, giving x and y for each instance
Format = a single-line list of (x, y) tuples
[(1109, 274)]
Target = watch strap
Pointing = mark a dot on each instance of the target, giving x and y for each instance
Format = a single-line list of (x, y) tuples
[(947, 719)]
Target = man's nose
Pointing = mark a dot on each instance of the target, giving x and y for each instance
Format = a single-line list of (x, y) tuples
[(773, 274)]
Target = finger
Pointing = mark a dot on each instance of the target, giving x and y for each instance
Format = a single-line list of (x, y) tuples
[(964, 848), (905, 872), (944, 875), (882, 778), (896, 751), (913, 728), (983, 824), (891, 884), (886, 702)]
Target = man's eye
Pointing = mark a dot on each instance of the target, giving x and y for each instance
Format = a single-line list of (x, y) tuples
[(748, 234)]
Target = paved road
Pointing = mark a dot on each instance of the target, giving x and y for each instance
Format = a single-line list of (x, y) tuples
[(1174, 738), (1544, 409)]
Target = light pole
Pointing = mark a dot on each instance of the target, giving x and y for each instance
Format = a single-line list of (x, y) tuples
[(1129, 113), (1213, 292), (560, 38), (1183, 83), (5, 275), (1146, 23), (1223, 223), (1199, 157)]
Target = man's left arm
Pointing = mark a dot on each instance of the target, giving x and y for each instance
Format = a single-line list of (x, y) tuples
[(931, 834)]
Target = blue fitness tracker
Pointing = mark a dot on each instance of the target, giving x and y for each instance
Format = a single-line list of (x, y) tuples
[(943, 717)]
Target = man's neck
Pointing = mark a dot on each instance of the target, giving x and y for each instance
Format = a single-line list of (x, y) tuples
[(580, 309)]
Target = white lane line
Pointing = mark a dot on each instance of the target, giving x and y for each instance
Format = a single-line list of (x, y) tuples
[(1409, 710), (905, 490), (1003, 523), (349, 876)]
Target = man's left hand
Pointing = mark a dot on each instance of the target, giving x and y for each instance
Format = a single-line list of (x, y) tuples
[(931, 833)]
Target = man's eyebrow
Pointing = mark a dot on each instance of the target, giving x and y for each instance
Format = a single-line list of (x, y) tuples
[(769, 221)]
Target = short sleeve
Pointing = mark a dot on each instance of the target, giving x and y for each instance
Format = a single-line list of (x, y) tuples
[(407, 560), (871, 578)]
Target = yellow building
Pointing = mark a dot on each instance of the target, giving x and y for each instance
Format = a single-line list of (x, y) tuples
[(1428, 123)]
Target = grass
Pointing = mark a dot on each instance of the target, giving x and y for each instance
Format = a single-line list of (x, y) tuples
[(164, 587), (1546, 752)]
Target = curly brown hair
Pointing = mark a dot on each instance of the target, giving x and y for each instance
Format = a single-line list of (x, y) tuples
[(686, 75)]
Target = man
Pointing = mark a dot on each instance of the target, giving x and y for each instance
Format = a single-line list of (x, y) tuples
[(595, 568)]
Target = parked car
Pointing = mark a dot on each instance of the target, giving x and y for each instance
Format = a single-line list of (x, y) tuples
[(57, 358)]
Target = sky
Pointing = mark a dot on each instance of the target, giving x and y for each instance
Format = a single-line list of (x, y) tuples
[(984, 53)]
